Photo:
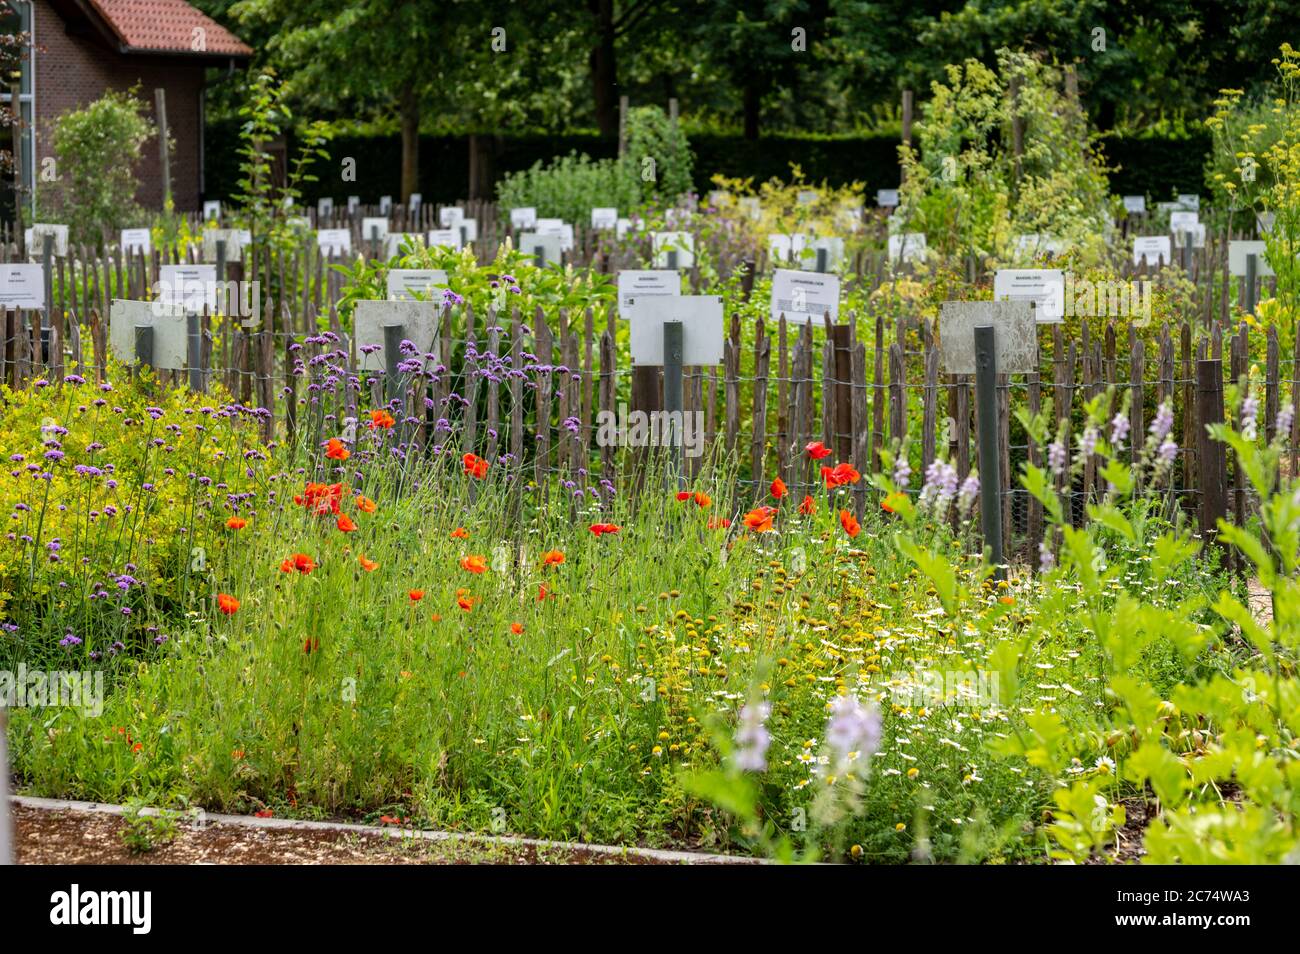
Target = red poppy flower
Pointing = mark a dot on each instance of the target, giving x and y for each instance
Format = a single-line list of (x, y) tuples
[(516, 628), (839, 475), (602, 528), (475, 466), (543, 592), (335, 450), (416, 595), (473, 563), (760, 519), (817, 450), (718, 523), (460, 533), (808, 508), (849, 523), (264, 813), (552, 558), (683, 495), (345, 523), (321, 498), (381, 418), (236, 523), (299, 562), (779, 488), (464, 600), (311, 645), (227, 604)]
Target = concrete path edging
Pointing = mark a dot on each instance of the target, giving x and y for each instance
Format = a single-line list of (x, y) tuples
[(249, 821)]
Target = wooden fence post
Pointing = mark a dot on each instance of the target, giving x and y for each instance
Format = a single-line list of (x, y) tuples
[(1213, 477)]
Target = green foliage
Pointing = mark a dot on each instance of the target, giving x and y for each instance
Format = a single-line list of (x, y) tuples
[(143, 831), (969, 191), (96, 149), (659, 155), (569, 187)]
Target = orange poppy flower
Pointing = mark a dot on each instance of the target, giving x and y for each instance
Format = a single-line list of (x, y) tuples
[(475, 466), (227, 604), (602, 528), (1007, 600), (808, 508), (552, 558), (345, 523), (543, 592), (335, 450), (849, 523), (436, 617), (416, 595), (760, 519), (460, 533), (703, 500), (516, 628), (236, 523), (320, 498), (779, 488), (365, 504), (718, 523), (473, 563), (381, 418), (464, 600), (817, 450), (368, 565)]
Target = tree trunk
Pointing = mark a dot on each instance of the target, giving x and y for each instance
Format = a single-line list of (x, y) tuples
[(480, 167), (410, 117), (752, 98), (604, 67)]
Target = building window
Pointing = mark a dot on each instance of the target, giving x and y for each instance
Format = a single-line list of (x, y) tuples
[(16, 56)]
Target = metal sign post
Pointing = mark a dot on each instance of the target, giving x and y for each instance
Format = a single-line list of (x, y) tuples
[(986, 409), (1252, 269), (674, 398), (394, 335)]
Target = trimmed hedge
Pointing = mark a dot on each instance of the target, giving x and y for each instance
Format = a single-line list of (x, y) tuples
[(1145, 165)]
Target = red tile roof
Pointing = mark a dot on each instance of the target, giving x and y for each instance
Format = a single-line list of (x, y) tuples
[(167, 26)]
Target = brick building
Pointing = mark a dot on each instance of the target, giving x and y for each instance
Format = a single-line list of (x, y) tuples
[(83, 48)]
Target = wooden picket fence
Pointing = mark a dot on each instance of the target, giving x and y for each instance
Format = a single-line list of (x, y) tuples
[(860, 386)]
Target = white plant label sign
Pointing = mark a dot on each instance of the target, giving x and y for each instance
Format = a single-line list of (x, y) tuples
[(1152, 248), (1045, 287), (444, 238), (405, 284), (523, 218), (170, 332), (334, 241), (558, 228), (646, 283), (374, 227), (548, 246), (1237, 252), (235, 240), (22, 286), (189, 287), (1183, 221), (1015, 335), (1135, 204), (324, 208), (1197, 233), (603, 219), (449, 216), (35, 239), (701, 318), (804, 296), (212, 210), (887, 198), (785, 248), (418, 320), (1190, 200), (136, 241), (385, 205)]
